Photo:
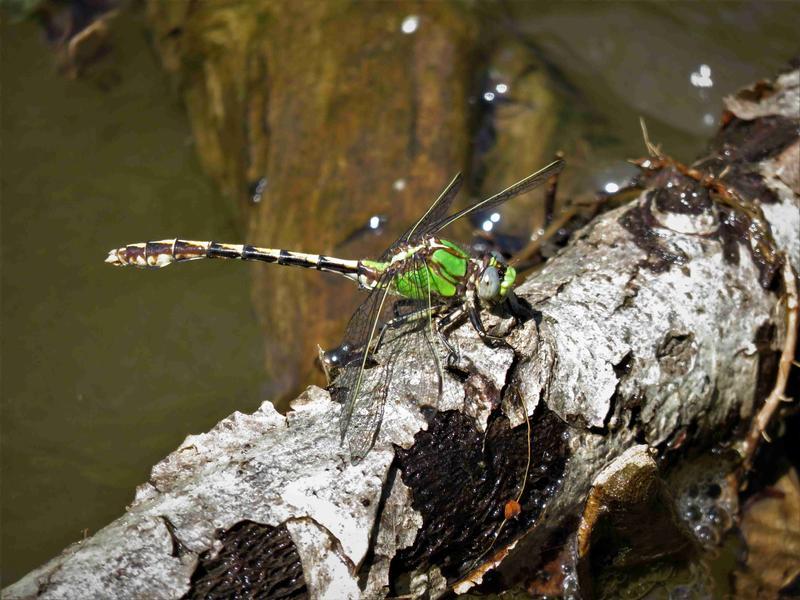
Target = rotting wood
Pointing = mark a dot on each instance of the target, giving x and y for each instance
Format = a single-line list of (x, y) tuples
[(651, 335)]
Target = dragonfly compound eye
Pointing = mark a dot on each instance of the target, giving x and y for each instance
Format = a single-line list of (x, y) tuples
[(489, 284)]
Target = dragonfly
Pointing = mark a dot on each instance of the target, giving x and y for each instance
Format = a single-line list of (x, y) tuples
[(421, 285)]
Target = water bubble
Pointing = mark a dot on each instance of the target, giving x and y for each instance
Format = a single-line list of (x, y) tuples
[(488, 96), (495, 217), (702, 77), (399, 185), (257, 190), (374, 222), (409, 24), (714, 516), (611, 187), (501, 88), (706, 535), (691, 513), (487, 226)]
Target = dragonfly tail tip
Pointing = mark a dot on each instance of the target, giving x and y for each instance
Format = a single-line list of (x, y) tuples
[(113, 258)]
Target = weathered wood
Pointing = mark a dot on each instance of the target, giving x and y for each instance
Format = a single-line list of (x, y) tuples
[(653, 337)]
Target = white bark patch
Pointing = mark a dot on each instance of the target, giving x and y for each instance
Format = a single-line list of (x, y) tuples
[(397, 530), (321, 485), (783, 99), (327, 574), (787, 214), (94, 566), (705, 223), (599, 304)]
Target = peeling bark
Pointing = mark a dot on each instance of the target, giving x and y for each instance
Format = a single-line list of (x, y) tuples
[(650, 338)]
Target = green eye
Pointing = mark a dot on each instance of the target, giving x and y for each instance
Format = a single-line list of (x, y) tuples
[(489, 284)]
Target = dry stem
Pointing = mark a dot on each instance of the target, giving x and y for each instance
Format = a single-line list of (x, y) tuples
[(778, 393)]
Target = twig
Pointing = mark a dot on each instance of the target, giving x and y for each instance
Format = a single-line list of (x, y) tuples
[(652, 149), (778, 393), (533, 246)]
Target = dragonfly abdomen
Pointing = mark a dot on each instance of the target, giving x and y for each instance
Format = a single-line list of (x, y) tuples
[(158, 254)]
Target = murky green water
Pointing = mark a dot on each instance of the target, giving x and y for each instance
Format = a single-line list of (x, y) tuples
[(106, 370)]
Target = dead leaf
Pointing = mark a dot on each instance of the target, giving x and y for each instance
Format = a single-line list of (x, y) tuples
[(771, 529)]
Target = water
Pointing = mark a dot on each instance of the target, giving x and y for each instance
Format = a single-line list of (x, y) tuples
[(104, 370)]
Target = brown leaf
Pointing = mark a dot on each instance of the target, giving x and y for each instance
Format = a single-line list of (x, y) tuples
[(771, 529)]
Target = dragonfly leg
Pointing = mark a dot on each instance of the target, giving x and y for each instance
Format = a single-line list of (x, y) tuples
[(401, 320), (344, 355), (475, 318), (402, 304), (520, 311), (447, 321)]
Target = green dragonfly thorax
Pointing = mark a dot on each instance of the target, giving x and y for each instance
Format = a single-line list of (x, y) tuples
[(439, 268)]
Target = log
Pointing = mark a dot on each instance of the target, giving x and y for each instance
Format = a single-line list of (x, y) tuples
[(652, 342)]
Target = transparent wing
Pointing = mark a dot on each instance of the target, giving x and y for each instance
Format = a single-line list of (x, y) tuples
[(371, 375), (436, 211), (369, 403), (530, 182), (355, 348)]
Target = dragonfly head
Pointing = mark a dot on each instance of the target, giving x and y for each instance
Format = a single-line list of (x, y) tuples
[(495, 280)]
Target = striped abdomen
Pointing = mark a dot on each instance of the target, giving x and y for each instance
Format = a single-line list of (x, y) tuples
[(161, 253)]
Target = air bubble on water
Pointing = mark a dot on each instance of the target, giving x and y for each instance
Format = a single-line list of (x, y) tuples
[(702, 77), (409, 24)]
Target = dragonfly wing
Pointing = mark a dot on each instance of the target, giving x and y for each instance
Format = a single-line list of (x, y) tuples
[(402, 332), (436, 211), (525, 185), (407, 362), (368, 403), (356, 347)]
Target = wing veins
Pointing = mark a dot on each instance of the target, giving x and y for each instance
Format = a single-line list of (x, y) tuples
[(531, 182), (362, 338), (436, 210)]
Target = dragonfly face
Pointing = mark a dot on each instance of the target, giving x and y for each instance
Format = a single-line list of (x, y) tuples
[(494, 280)]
